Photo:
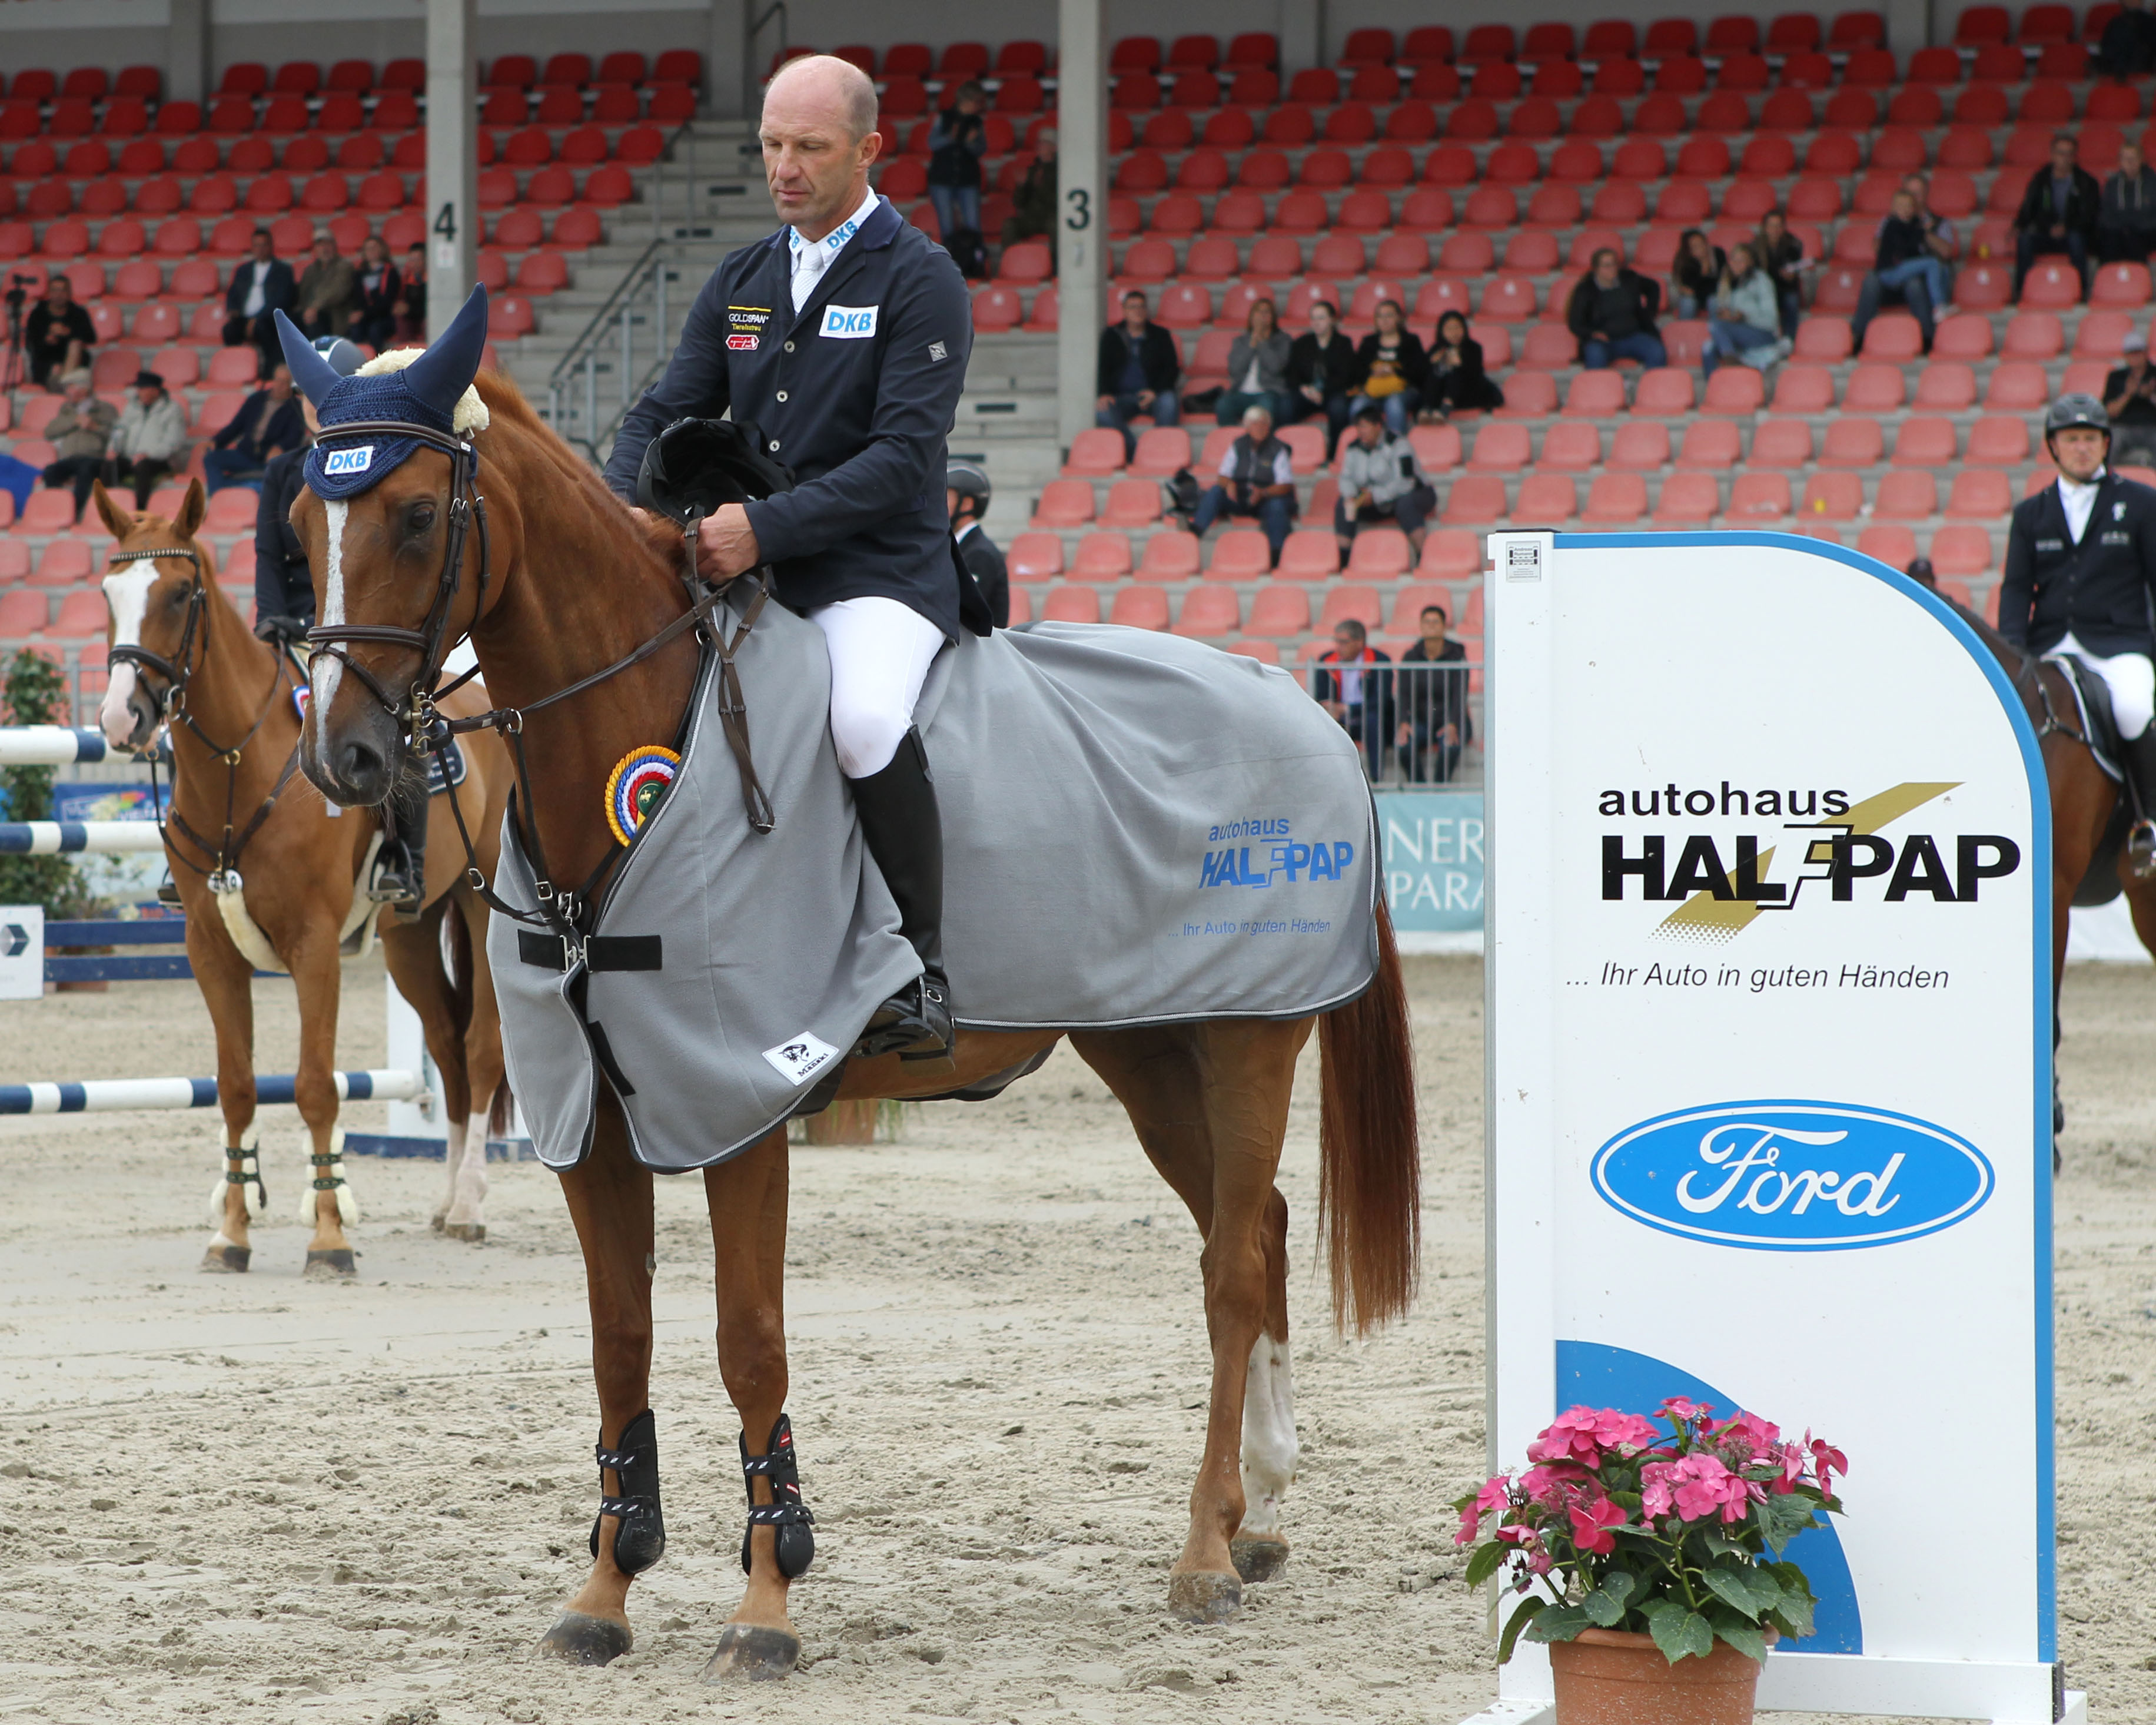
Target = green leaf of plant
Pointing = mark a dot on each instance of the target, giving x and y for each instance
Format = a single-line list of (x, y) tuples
[(1794, 1615), (1679, 1633), (1748, 1639), (1560, 1623), (1721, 1545), (1529, 1610), (1605, 1607), (1484, 1563), (1734, 1586)]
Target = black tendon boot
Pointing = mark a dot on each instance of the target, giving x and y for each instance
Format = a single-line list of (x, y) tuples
[(786, 1514), (905, 836), (401, 878), (2141, 768), (640, 1540)]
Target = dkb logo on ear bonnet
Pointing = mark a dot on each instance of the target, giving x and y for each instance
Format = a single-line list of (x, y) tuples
[(428, 388)]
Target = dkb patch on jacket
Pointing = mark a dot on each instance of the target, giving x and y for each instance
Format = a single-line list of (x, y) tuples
[(1138, 829)]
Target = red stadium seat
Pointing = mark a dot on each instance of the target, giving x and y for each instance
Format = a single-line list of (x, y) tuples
[(1688, 500), (1782, 444), (1981, 494), (1664, 392), (1906, 494), (1640, 447), (1735, 392), (2051, 282)]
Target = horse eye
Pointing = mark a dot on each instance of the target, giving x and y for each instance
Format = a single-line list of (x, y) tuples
[(422, 516)]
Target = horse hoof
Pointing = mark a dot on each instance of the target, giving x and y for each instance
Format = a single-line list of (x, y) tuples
[(437, 1221), (338, 1265), (1259, 1559), (749, 1653), (579, 1640), (1200, 1596), (227, 1260), (472, 1231)]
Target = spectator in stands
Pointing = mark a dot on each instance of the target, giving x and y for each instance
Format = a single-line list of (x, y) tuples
[(1612, 312), (1321, 370), (267, 423), (1457, 382), (1381, 480), (264, 283), (1904, 263), (151, 440), (1745, 320), (2126, 226), (374, 320), (410, 309), (1138, 372), (2058, 212), (1696, 272), (2129, 397), (1391, 369), (329, 291), (1435, 724), (966, 493), (1256, 479), (1781, 256), (1257, 369), (2128, 48), (57, 335), (1033, 199), (956, 141), (79, 432), (1921, 572), (1348, 686), (1941, 244)]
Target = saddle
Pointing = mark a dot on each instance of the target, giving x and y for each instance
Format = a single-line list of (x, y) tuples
[(695, 467)]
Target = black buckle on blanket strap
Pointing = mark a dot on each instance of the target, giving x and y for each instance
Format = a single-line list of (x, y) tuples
[(599, 952)]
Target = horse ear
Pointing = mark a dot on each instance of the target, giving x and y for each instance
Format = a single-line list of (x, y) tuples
[(117, 520), (440, 376), (315, 375), (193, 508)]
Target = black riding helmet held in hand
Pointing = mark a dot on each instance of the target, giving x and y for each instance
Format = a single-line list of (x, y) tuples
[(695, 467)]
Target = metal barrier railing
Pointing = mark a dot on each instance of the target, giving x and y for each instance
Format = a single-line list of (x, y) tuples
[(1417, 722)]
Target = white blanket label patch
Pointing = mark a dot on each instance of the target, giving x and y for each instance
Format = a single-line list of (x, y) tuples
[(850, 323), (801, 1056)]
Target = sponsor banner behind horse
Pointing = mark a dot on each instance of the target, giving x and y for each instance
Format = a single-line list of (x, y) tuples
[(1770, 1069), (1432, 845)]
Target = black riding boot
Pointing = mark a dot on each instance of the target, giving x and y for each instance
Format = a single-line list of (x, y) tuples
[(2141, 767), (400, 879), (905, 836)]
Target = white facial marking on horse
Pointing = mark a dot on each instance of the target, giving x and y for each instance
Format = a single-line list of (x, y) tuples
[(1270, 1451), (325, 671), (127, 590)]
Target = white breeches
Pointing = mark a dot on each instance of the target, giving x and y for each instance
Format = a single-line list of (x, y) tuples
[(881, 651), (2130, 677)]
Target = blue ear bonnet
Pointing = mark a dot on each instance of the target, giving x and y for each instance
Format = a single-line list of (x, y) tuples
[(343, 468), (425, 395)]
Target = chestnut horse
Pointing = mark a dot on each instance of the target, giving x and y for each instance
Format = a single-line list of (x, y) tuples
[(2085, 799), (226, 700), (577, 581)]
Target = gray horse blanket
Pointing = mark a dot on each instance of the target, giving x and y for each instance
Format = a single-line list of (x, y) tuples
[(1138, 829)]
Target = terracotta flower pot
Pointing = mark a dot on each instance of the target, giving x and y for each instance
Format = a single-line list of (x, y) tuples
[(1615, 1677)]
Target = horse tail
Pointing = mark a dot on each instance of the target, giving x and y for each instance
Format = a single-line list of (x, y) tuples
[(1369, 1185)]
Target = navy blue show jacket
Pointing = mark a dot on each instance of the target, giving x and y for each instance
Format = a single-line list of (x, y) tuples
[(856, 392), (2100, 590)]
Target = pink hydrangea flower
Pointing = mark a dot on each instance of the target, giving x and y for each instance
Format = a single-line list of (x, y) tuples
[(1583, 1434), (1826, 1461), (1696, 1486), (1749, 1429), (1591, 1526), (1683, 1410)]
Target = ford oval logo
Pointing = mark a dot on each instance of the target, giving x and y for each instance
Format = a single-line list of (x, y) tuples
[(1793, 1177)]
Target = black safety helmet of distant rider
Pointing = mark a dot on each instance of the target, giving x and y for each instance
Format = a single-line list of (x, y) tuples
[(969, 480), (2076, 410)]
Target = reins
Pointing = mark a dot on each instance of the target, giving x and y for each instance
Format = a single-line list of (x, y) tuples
[(427, 732), (170, 704)]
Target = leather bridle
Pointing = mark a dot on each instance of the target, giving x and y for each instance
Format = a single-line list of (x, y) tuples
[(169, 705), (426, 731)]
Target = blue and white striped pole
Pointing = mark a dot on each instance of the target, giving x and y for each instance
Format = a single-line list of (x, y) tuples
[(51, 838), (105, 1095), (51, 746)]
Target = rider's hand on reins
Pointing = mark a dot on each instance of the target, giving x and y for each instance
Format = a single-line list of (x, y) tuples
[(726, 543)]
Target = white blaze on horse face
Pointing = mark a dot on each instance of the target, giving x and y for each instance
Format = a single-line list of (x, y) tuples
[(1270, 1450), (326, 670), (127, 592)]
